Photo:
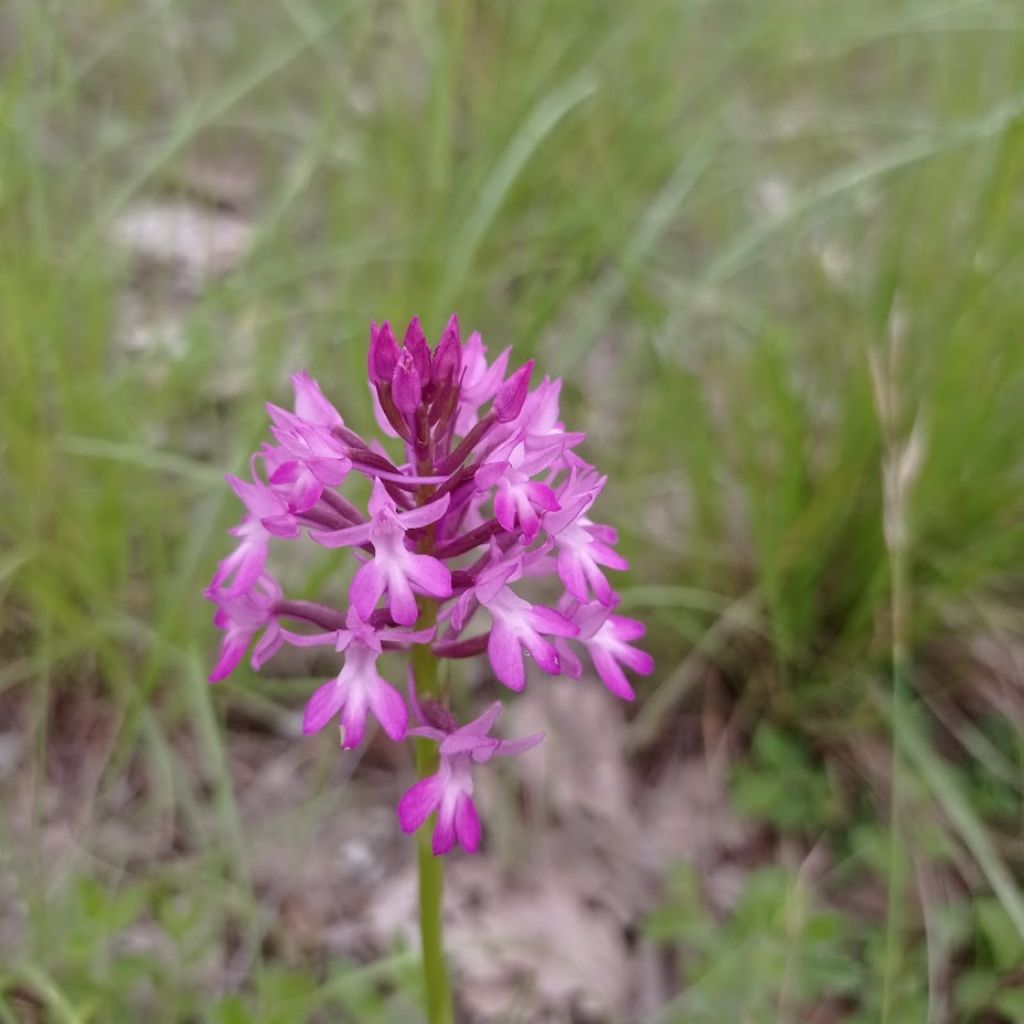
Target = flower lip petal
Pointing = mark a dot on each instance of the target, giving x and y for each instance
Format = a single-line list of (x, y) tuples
[(418, 802)]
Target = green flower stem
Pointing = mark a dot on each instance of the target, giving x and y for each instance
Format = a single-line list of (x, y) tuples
[(431, 868)]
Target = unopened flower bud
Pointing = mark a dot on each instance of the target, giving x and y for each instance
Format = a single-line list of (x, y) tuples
[(383, 354), (448, 354), (416, 343), (406, 385), (508, 402)]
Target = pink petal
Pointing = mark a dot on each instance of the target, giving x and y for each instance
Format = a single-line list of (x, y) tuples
[(570, 572), (269, 644), (467, 823), (347, 537), (310, 639), (547, 620), (481, 725), (509, 748), (366, 589), (544, 653), (389, 709), (611, 674), (353, 720), (626, 629), (325, 703), (602, 588), (568, 661), (417, 803), (401, 600), (430, 575), (506, 656), (639, 661), (604, 555), (310, 403), (444, 830), (380, 500), (529, 521), (505, 508), (425, 514), (232, 649)]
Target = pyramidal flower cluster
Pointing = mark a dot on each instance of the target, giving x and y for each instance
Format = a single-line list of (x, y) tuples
[(487, 502)]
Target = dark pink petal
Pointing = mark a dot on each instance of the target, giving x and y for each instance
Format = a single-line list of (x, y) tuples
[(508, 402), (389, 709), (541, 496), (325, 703), (383, 353), (506, 656), (505, 506), (529, 521), (416, 342), (611, 673), (467, 823), (417, 802), (406, 384), (366, 589), (448, 354)]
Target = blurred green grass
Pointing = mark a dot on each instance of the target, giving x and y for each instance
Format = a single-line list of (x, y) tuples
[(707, 216)]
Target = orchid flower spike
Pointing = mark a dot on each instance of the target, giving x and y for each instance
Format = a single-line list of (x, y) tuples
[(477, 498)]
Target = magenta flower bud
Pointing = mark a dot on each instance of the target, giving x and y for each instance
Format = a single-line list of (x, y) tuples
[(406, 383), (448, 354), (383, 354), (416, 343), (508, 402)]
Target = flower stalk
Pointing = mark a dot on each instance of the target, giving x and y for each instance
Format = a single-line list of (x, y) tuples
[(437, 985)]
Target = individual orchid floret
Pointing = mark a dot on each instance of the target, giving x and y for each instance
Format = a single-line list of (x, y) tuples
[(583, 546), (519, 499), (268, 514), (310, 404), (516, 625), (393, 567), (608, 640), (480, 382), (358, 689), (539, 420), (450, 790), (241, 617)]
